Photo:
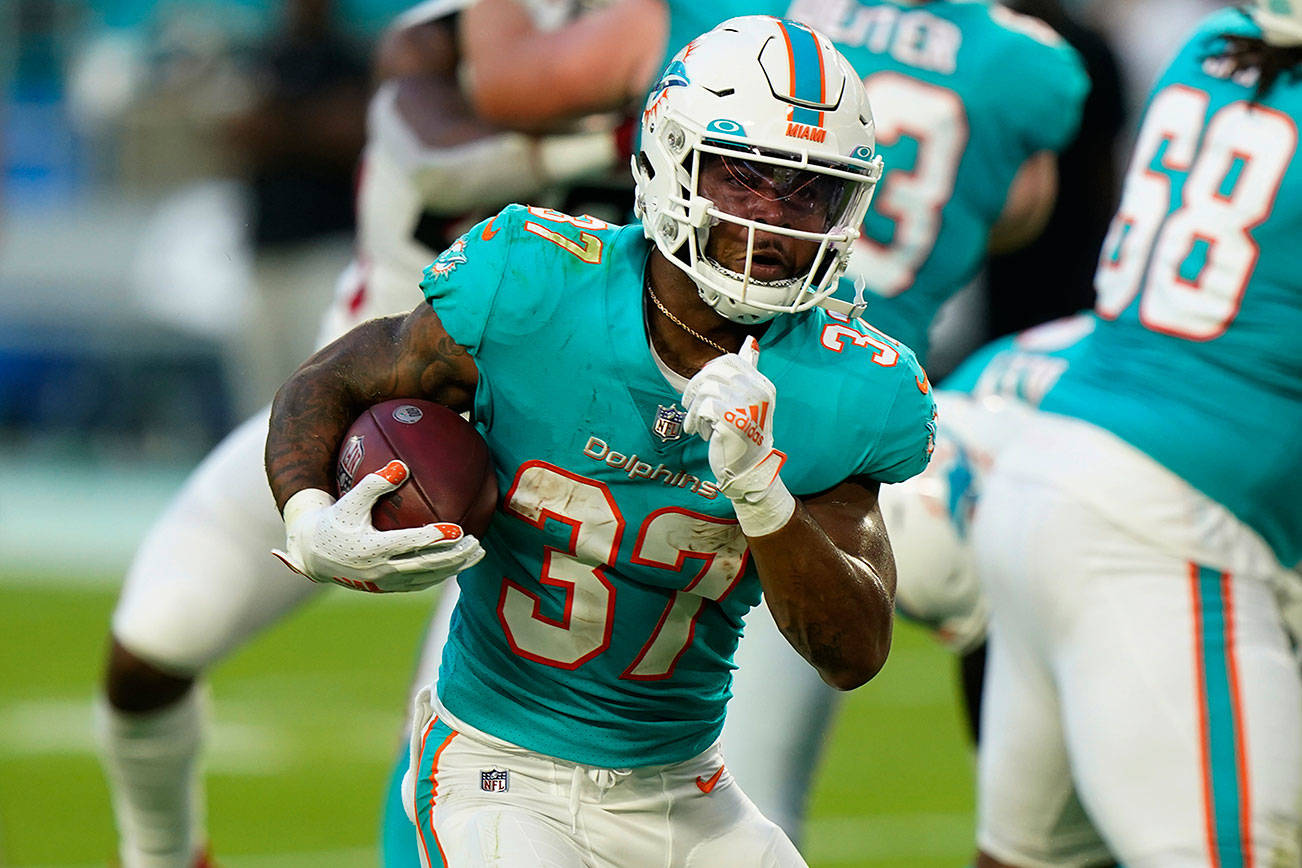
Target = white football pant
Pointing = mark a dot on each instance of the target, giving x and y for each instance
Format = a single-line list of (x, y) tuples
[(204, 579), (479, 801), (1141, 702)]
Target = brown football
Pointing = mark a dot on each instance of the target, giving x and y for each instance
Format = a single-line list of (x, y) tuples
[(452, 476)]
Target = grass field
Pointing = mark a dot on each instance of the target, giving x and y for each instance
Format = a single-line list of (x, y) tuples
[(305, 729)]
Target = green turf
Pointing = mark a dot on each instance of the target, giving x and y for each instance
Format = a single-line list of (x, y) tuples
[(305, 729)]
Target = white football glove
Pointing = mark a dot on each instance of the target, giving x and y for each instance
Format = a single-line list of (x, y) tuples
[(730, 404), (329, 541)]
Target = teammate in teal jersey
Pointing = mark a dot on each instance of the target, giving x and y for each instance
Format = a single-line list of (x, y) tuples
[(972, 102), (1141, 703), (645, 504)]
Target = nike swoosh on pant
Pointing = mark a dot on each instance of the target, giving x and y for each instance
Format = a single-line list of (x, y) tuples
[(707, 787)]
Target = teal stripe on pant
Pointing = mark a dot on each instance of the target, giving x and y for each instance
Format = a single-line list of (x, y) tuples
[(438, 736), (1222, 735), (397, 834)]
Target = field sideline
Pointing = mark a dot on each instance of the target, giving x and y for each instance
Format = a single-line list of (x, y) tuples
[(306, 726)]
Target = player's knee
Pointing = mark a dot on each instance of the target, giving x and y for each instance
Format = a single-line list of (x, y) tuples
[(134, 686)]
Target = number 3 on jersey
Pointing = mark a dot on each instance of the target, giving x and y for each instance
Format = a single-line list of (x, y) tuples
[(1188, 250), (934, 118)]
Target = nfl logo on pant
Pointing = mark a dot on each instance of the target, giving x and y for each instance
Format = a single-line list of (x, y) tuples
[(495, 780)]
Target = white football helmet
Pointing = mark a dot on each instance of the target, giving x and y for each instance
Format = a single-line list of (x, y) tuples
[(765, 114), (1280, 20)]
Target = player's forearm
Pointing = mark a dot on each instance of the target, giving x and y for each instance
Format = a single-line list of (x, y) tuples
[(504, 96), (408, 356), (523, 78), (833, 607), (309, 416)]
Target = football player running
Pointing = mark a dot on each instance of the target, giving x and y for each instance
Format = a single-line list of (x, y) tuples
[(676, 422), (201, 583), (974, 102), (1142, 705)]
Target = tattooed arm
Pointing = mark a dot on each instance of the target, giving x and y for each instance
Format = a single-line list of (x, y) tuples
[(408, 356), (829, 580)]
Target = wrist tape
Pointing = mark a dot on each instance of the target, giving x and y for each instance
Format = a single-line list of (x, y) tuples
[(769, 513), (760, 498)]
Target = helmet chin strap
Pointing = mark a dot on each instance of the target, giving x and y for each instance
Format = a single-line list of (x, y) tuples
[(731, 309), (737, 275)]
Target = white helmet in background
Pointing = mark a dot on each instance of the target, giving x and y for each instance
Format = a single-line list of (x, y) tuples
[(772, 108), (1280, 20)]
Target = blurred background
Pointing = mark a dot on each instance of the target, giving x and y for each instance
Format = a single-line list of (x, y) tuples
[(176, 188), (174, 176)]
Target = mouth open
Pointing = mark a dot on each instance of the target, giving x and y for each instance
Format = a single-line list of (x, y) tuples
[(768, 264)]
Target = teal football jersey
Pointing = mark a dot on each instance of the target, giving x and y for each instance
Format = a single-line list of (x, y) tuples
[(962, 94), (1197, 358), (601, 625)]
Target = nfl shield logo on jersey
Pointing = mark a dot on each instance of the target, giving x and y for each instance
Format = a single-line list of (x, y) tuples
[(495, 780), (669, 422)]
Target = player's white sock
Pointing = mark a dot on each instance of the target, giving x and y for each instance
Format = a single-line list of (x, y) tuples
[(152, 764)]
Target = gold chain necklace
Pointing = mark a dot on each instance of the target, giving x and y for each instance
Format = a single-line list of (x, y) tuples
[(682, 325)]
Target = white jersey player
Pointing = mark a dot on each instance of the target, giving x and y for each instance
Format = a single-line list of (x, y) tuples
[(203, 582)]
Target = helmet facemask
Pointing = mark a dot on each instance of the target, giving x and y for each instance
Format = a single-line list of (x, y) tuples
[(794, 221)]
